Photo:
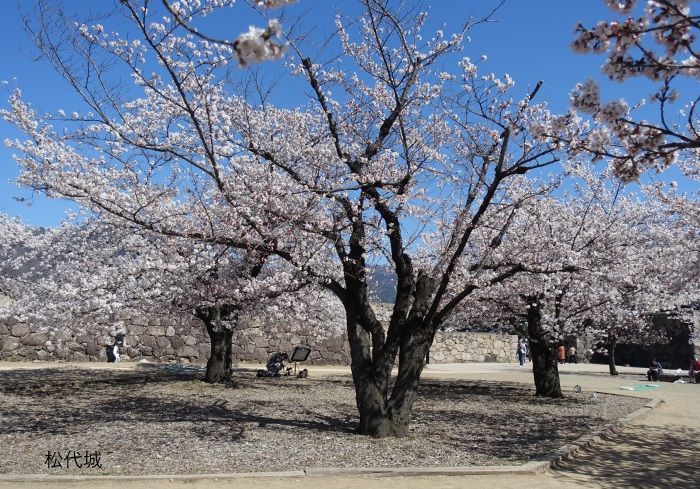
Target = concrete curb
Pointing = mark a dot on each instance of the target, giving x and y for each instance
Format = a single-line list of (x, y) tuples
[(527, 468), (537, 466), (421, 471), (567, 451), (175, 477)]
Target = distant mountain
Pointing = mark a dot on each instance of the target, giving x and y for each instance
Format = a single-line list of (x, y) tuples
[(382, 280), (382, 284), (18, 252)]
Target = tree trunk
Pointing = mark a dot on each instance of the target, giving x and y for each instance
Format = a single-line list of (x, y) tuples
[(545, 370), (414, 348), (219, 364), (370, 392), (544, 359), (221, 354), (381, 416), (611, 355), (371, 404), (373, 349)]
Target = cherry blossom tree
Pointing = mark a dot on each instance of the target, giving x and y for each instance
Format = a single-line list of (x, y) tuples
[(413, 161), (198, 197), (659, 44), (398, 157), (598, 264), (99, 277)]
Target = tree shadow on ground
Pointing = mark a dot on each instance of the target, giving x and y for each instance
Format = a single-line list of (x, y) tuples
[(515, 427), (69, 401), (56, 383), (115, 397), (508, 391), (640, 456)]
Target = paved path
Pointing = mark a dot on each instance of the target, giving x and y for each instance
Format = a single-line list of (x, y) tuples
[(655, 451), (660, 450)]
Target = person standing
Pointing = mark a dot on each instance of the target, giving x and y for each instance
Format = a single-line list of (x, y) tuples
[(561, 353), (572, 355), (522, 352)]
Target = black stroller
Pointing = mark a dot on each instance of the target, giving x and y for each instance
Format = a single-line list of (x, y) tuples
[(276, 364)]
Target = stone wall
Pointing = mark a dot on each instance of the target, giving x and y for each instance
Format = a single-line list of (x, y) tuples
[(187, 341), (255, 344), (458, 347)]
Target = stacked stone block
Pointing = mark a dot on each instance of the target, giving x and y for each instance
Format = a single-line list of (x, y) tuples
[(186, 341), (458, 347)]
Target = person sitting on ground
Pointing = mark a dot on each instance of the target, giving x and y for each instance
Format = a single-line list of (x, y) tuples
[(275, 364), (655, 371)]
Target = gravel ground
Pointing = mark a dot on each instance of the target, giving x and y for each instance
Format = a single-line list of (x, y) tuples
[(165, 421)]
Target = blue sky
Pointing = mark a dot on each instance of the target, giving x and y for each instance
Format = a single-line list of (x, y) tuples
[(529, 39)]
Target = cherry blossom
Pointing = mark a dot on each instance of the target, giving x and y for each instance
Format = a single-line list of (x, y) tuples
[(660, 45)]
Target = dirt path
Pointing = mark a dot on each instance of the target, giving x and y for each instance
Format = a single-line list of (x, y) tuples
[(660, 450)]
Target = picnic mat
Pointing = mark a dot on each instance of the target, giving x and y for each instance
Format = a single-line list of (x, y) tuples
[(640, 387)]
